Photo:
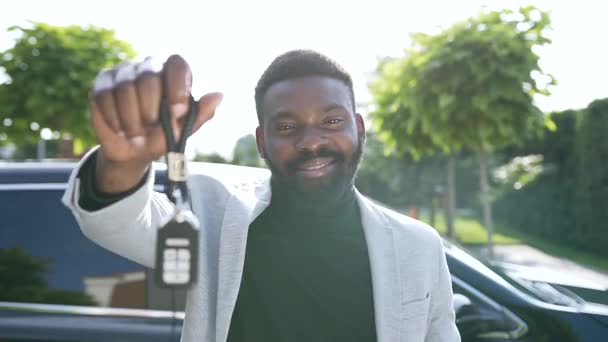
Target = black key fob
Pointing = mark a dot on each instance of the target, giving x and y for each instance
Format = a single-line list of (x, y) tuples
[(177, 252)]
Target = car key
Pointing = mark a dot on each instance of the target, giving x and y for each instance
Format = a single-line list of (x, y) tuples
[(177, 241), (177, 252)]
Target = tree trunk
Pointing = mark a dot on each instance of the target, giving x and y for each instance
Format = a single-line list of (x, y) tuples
[(485, 199), (66, 148), (451, 195), (41, 150), (433, 213)]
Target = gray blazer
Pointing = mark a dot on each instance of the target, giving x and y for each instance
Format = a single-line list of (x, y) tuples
[(410, 279)]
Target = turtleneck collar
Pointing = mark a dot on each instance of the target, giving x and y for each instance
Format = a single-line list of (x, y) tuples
[(313, 206)]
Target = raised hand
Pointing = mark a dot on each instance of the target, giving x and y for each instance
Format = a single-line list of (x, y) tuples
[(125, 114)]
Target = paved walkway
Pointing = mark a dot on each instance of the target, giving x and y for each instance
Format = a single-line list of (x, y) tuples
[(530, 256)]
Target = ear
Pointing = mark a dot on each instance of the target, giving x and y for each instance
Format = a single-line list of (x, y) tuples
[(259, 140), (360, 125)]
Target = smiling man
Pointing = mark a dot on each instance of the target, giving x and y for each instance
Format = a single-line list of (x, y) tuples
[(300, 255)]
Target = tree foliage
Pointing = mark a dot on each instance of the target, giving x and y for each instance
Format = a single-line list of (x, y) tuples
[(396, 180), (471, 86), (399, 127), (246, 152), (49, 72), (592, 175), (22, 280), (210, 158), (565, 203)]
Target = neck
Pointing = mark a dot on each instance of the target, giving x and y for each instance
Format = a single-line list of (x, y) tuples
[(318, 204)]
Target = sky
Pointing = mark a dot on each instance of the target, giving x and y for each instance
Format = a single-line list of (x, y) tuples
[(228, 44)]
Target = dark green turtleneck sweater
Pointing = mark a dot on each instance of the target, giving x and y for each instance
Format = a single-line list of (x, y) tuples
[(306, 275)]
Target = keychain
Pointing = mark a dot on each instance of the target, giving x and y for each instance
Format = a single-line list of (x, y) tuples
[(177, 241)]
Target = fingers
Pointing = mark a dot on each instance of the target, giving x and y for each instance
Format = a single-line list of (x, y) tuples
[(106, 135), (149, 89), (207, 106), (103, 99), (127, 102), (128, 96), (177, 85)]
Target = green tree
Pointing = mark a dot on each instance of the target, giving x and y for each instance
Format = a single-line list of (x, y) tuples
[(22, 280), (246, 152), (210, 158), (403, 181), (472, 86), (592, 176), (397, 180), (400, 125), (49, 72)]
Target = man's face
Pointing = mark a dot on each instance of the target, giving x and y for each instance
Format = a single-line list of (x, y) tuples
[(310, 137)]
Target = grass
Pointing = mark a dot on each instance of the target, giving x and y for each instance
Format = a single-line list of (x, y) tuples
[(469, 231)]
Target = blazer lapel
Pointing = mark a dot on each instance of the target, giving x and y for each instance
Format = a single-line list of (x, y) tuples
[(246, 204), (384, 268), (243, 207)]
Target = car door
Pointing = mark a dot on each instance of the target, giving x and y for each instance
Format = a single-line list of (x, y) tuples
[(57, 285)]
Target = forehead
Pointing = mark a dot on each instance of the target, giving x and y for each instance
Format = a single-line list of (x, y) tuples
[(306, 94)]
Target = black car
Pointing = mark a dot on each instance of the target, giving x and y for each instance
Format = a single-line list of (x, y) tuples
[(55, 284)]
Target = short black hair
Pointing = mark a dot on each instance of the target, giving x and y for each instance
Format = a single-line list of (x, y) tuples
[(299, 63)]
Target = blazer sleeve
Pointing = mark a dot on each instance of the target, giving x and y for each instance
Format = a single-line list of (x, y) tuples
[(127, 227), (442, 326)]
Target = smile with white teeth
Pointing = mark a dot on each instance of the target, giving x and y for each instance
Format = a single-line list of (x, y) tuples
[(315, 164), (316, 167)]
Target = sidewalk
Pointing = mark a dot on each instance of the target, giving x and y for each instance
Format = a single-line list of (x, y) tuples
[(530, 256)]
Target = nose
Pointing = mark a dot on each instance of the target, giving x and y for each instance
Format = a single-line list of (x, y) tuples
[(311, 140)]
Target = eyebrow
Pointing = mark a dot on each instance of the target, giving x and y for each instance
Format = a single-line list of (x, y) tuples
[(281, 115), (284, 114), (334, 106)]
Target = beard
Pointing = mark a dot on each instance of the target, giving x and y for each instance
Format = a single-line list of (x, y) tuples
[(330, 186)]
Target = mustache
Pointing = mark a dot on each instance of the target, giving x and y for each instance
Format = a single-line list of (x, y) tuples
[(304, 157)]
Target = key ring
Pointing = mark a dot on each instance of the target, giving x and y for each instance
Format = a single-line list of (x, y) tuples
[(175, 187)]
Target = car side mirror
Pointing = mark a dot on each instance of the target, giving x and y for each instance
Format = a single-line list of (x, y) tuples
[(477, 322), (462, 304), (468, 318)]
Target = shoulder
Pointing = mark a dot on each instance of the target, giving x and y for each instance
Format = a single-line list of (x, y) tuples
[(407, 229), (225, 177), (417, 247)]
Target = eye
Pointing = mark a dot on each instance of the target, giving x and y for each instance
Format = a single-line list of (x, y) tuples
[(283, 127), (334, 121)]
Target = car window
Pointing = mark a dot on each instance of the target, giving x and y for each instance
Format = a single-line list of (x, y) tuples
[(44, 257)]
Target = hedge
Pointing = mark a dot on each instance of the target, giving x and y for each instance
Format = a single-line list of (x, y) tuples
[(568, 203)]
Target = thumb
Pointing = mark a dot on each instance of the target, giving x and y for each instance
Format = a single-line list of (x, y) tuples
[(207, 105)]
